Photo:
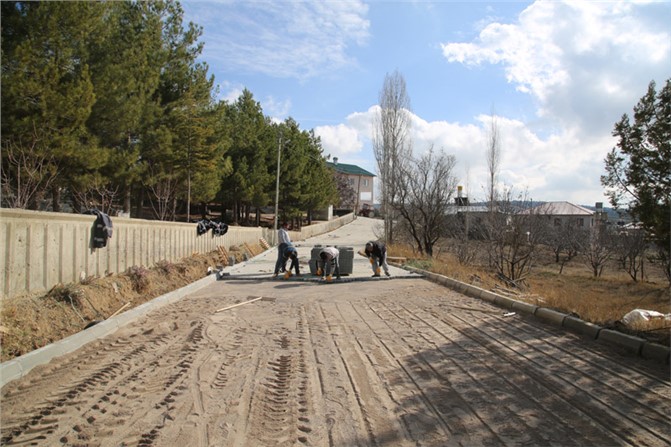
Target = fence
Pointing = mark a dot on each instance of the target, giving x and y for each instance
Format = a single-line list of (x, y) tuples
[(42, 249)]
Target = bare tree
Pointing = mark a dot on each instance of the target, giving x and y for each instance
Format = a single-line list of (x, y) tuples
[(563, 241), (348, 196), (426, 186), (597, 250), (26, 173), (97, 194), (163, 191), (493, 156), (460, 244), (629, 248), (514, 233), (391, 144)]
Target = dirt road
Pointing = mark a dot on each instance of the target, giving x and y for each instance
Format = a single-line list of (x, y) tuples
[(401, 362)]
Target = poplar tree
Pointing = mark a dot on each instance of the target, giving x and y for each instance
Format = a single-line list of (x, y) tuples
[(391, 144)]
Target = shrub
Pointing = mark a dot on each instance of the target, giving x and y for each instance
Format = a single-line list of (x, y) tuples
[(165, 267), (139, 277), (66, 293)]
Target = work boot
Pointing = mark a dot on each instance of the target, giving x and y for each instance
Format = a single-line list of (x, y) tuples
[(387, 273), (377, 275)]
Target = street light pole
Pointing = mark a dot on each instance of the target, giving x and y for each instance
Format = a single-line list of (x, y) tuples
[(277, 182)]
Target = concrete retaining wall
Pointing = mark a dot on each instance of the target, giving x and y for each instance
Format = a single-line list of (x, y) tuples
[(41, 249)]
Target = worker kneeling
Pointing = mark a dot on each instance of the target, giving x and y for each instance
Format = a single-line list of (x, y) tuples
[(328, 263)]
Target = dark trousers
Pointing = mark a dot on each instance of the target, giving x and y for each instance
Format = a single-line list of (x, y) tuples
[(280, 256)]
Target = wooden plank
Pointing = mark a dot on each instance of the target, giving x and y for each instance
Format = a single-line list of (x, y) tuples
[(239, 304)]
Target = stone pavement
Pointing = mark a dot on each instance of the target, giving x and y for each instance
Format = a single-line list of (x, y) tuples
[(354, 235)]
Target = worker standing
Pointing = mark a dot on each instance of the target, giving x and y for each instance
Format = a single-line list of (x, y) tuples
[(284, 240)]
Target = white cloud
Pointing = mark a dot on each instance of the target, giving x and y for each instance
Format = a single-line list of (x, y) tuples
[(282, 39), (276, 108), (585, 63), (546, 169), (339, 141), (229, 92)]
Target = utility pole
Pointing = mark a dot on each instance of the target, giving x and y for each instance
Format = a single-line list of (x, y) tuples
[(277, 182)]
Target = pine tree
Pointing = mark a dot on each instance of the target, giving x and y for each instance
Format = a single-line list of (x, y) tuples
[(637, 169), (47, 92)]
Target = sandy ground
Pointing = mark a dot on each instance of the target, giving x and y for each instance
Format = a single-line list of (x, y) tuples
[(400, 362)]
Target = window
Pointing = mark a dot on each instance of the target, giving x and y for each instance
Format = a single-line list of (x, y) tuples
[(365, 182), (351, 181), (557, 222), (581, 222)]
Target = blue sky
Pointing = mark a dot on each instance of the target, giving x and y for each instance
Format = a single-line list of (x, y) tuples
[(557, 75)]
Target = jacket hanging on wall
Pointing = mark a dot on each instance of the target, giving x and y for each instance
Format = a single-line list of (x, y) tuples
[(102, 228), (218, 228), (203, 226)]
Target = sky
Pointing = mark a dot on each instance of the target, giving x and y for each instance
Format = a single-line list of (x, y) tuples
[(555, 77)]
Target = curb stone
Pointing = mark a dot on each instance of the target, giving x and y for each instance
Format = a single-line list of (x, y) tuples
[(635, 345), (551, 316)]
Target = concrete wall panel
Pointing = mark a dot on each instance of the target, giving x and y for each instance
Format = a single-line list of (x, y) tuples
[(41, 249)]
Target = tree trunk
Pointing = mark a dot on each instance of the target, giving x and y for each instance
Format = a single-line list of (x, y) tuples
[(56, 199), (126, 199), (139, 202)]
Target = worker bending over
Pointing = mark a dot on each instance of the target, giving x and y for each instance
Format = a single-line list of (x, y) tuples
[(377, 254)]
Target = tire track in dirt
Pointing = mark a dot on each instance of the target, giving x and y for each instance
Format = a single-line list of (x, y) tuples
[(280, 410), (343, 410), (97, 386), (371, 366), (400, 363), (109, 396)]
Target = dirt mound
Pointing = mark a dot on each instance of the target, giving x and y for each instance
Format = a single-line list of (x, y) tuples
[(30, 322)]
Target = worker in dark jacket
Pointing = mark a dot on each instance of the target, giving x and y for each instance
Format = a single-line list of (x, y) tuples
[(290, 252), (377, 254)]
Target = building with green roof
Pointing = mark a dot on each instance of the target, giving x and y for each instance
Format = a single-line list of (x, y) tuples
[(360, 180)]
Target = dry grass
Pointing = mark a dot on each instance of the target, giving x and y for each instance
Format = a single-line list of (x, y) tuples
[(603, 301)]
